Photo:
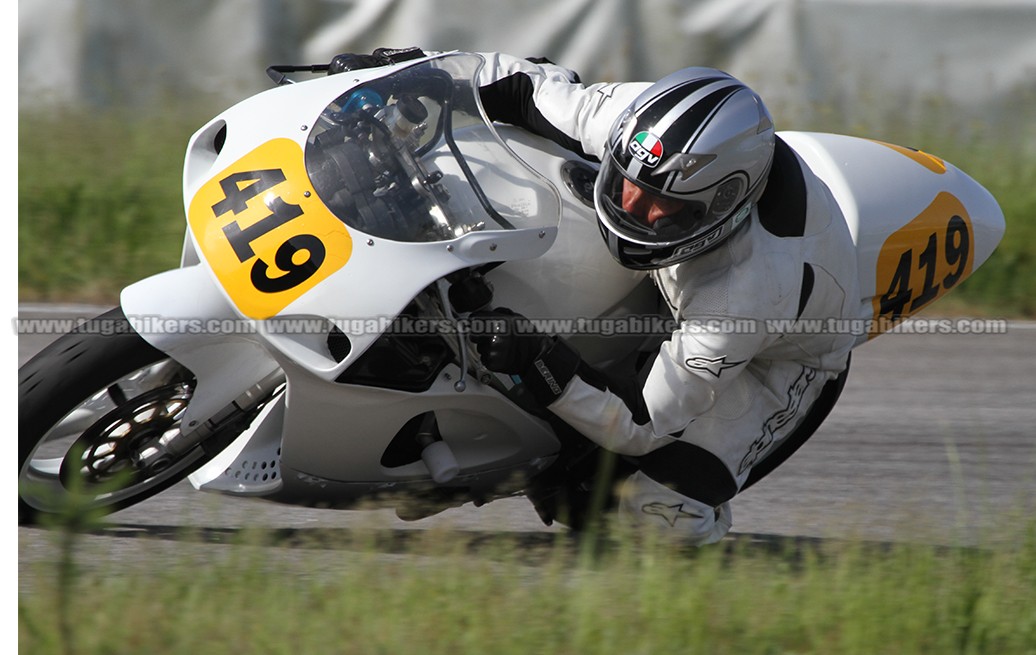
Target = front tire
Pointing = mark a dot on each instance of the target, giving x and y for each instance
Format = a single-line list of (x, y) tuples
[(95, 410)]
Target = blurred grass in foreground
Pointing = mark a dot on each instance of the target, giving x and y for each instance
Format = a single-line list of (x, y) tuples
[(440, 591), (100, 204)]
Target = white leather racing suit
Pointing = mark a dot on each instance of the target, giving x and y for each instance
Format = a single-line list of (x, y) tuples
[(740, 375)]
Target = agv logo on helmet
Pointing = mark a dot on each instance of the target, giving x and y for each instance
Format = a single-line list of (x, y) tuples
[(646, 148), (685, 164)]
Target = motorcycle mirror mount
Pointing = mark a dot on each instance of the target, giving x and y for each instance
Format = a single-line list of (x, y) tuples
[(279, 72)]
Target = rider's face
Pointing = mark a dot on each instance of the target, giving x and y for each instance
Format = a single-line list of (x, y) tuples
[(645, 206)]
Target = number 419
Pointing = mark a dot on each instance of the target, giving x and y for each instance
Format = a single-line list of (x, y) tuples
[(956, 247)]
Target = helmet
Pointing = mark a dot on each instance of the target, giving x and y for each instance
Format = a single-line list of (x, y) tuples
[(683, 167)]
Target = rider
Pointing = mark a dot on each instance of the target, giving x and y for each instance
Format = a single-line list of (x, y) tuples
[(744, 243)]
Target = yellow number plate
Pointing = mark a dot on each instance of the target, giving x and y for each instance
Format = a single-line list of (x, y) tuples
[(265, 233), (923, 260)]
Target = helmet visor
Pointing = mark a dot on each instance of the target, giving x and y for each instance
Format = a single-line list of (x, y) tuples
[(646, 216)]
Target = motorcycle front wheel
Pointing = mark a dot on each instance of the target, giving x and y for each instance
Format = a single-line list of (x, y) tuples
[(97, 409)]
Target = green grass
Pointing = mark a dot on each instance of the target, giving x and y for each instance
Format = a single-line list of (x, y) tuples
[(1006, 284), (100, 205), (447, 592)]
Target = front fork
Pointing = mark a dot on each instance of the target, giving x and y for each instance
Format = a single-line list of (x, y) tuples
[(216, 432)]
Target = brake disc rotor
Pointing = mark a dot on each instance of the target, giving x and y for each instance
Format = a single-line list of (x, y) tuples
[(127, 445)]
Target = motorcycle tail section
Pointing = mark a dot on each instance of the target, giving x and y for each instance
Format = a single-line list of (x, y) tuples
[(921, 225)]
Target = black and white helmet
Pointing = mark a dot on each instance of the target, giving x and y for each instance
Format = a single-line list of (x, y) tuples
[(694, 150)]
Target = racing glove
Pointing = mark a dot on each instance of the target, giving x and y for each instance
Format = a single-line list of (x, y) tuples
[(349, 61), (508, 342)]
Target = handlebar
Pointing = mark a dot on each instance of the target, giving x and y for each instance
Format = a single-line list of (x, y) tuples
[(279, 73), (347, 61)]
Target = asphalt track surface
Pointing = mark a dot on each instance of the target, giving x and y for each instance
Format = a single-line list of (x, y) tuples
[(934, 440)]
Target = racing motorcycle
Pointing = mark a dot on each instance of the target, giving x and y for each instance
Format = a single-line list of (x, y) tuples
[(313, 347)]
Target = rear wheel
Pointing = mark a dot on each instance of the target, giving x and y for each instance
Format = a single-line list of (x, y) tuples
[(97, 412)]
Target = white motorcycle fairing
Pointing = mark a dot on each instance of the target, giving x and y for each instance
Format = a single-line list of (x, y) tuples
[(312, 230), (339, 432)]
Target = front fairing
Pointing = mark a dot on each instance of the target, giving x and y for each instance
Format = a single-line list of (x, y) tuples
[(338, 199)]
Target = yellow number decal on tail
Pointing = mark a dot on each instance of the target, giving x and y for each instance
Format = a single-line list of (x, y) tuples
[(265, 233), (923, 260)]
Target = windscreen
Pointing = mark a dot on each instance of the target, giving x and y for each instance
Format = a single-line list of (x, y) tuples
[(409, 157)]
